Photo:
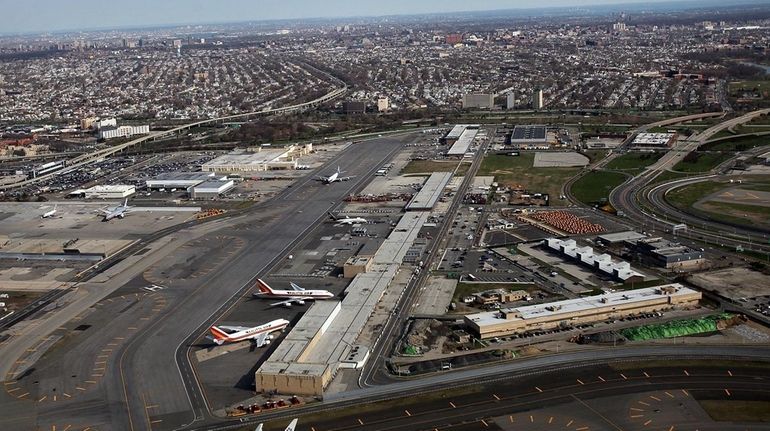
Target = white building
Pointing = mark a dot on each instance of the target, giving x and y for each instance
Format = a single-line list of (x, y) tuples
[(537, 99), (264, 159), (211, 189), (123, 131), (383, 104), (106, 123), (120, 191)]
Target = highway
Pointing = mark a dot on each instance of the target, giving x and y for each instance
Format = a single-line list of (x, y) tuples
[(626, 197)]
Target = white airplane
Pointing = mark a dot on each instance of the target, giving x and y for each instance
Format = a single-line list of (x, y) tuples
[(297, 295), (347, 220), (334, 177), (292, 426), (259, 334), (48, 214), (118, 211)]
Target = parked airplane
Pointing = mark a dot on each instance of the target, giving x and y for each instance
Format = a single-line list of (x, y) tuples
[(118, 211), (292, 426), (334, 177), (347, 220), (259, 334), (48, 214), (297, 295)]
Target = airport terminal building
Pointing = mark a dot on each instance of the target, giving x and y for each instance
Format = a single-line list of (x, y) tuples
[(509, 321)]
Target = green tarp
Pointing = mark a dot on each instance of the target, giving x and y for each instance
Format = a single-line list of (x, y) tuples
[(675, 328)]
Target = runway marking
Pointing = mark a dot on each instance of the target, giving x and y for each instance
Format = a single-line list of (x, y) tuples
[(112, 344), (106, 350), (580, 381), (54, 397), (496, 397), (686, 373), (578, 429), (67, 427), (645, 374), (637, 416), (100, 362), (103, 356), (9, 383), (156, 421), (605, 418), (485, 423), (98, 369), (93, 382), (120, 338), (10, 391), (636, 409), (531, 419), (510, 418), (97, 375), (643, 403), (624, 376), (152, 406), (132, 328), (453, 405), (550, 420), (671, 429), (79, 388), (569, 423), (538, 389), (729, 373), (66, 395), (360, 422), (654, 398), (144, 318), (649, 421), (42, 399), (669, 394), (728, 393), (685, 392), (23, 395), (407, 413), (602, 378)]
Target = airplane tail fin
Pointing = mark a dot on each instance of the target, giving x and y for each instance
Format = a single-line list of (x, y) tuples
[(263, 287), (125, 202), (219, 335)]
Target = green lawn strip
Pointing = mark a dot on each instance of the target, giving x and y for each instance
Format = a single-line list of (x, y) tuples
[(595, 186)]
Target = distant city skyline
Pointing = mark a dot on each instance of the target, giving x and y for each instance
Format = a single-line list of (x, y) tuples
[(55, 15)]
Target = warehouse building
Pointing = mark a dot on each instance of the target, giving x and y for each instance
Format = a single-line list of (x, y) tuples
[(460, 147), (326, 338), (179, 180), (431, 191), (509, 321), (211, 189), (529, 136), (653, 140), (259, 159), (667, 254), (109, 192), (122, 131), (601, 263)]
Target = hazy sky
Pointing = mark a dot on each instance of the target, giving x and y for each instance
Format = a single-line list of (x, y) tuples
[(51, 15)]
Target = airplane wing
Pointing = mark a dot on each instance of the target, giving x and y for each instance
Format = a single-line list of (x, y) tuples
[(287, 302), (295, 287), (292, 425), (233, 328), (258, 428), (261, 339), (104, 211)]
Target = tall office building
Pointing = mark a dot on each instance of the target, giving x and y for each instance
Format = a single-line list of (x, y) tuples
[(510, 100), (479, 101), (537, 99)]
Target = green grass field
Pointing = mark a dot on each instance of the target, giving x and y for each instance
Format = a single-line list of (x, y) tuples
[(633, 161), (595, 186), (736, 144), (685, 197), (704, 163), (428, 166), (518, 171)]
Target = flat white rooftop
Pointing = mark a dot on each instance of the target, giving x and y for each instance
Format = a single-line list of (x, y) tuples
[(571, 307), (430, 192), (463, 142)]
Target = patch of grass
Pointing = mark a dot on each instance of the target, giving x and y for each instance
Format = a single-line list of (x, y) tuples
[(736, 144), (429, 166), (701, 162), (518, 171), (633, 161), (737, 410), (741, 214), (597, 185), (685, 197)]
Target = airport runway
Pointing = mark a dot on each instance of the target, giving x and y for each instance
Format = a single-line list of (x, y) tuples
[(146, 379)]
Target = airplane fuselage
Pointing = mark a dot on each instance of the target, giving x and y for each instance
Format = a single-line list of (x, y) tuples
[(305, 294)]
